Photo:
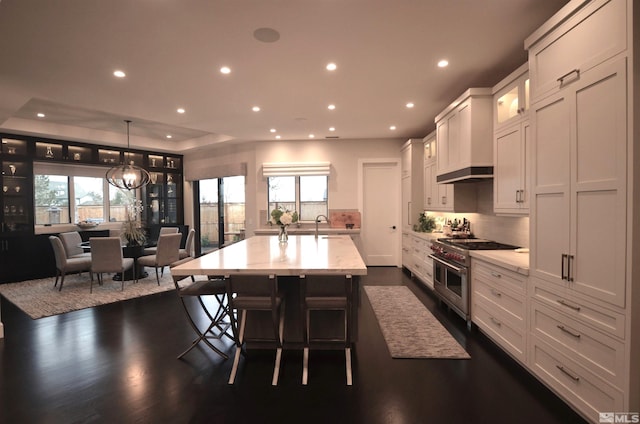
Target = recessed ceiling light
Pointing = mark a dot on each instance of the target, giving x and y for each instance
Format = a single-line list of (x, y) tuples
[(256, 108), (331, 107), (278, 137), (331, 66), (392, 127), (410, 105), (225, 70), (119, 74), (332, 129), (169, 136), (272, 130), (180, 110), (311, 136), (443, 63), (40, 115)]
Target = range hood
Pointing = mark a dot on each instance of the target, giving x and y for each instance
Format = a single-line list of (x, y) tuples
[(464, 136), (466, 175)]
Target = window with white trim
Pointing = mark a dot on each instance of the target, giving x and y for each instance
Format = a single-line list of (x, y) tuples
[(306, 194)]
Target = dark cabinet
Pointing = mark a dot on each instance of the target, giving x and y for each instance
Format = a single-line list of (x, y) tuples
[(26, 258), (163, 195), (16, 199)]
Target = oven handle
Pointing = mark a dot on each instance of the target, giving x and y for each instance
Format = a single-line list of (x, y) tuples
[(448, 265)]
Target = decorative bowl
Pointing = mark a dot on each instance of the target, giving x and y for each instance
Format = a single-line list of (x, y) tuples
[(87, 225)]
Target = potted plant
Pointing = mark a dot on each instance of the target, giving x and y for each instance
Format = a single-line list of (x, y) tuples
[(132, 231), (426, 223)]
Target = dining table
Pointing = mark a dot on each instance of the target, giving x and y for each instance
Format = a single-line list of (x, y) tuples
[(127, 252), (301, 255)]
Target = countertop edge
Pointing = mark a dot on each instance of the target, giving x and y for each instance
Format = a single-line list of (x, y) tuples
[(509, 259)]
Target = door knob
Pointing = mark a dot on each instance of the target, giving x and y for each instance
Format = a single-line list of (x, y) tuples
[(393, 227)]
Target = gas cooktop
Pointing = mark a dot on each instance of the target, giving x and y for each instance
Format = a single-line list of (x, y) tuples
[(476, 244)]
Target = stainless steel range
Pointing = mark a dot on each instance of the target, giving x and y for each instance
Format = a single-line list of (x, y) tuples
[(452, 269)]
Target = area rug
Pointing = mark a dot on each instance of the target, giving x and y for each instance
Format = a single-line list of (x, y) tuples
[(38, 298), (409, 329)]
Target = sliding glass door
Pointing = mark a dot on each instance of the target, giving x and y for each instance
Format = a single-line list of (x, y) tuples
[(221, 211)]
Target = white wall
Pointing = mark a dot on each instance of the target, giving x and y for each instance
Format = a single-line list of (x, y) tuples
[(342, 154)]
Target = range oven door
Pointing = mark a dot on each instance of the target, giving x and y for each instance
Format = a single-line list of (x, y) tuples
[(450, 282)]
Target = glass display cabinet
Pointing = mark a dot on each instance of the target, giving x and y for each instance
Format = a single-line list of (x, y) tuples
[(16, 199)]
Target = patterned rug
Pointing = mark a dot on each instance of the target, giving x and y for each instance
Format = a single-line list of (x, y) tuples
[(409, 329), (38, 298)]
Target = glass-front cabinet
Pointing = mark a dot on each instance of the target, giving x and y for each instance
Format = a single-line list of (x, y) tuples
[(163, 195), (512, 101), (16, 199)]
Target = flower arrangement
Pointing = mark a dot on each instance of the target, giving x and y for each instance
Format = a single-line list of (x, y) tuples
[(283, 217), (133, 234)]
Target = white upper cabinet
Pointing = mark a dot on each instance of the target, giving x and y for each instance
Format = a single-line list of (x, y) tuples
[(586, 39), (511, 98), (512, 137), (412, 162), (464, 138)]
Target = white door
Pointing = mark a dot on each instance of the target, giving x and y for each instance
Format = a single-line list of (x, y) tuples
[(380, 213)]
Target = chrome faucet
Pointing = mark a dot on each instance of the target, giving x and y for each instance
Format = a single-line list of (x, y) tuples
[(318, 221)]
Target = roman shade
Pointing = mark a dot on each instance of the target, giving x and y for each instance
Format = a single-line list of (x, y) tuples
[(279, 169)]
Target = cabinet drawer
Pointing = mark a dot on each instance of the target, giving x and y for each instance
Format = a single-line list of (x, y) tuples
[(504, 277), (597, 352), (513, 304), (501, 330), (588, 393), (606, 320), (588, 38)]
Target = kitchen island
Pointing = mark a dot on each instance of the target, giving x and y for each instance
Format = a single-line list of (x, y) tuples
[(329, 255)]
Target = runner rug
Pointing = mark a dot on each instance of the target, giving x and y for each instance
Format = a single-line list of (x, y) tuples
[(38, 298), (409, 329)]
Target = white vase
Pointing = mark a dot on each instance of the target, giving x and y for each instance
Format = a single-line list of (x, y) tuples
[(283, 237)]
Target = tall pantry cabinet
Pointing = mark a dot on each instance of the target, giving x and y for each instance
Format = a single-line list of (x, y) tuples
[(584, 325), (412, 161)]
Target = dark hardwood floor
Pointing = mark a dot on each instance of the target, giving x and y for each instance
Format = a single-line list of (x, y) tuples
[(117, 363)]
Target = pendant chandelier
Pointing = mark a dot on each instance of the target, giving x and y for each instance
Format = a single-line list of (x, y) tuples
[(127, 176)]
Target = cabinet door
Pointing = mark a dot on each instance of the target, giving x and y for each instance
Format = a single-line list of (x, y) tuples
[(429, 185), (507, 170), (442, 134), (550, 187), (598, 184), (406, 203)]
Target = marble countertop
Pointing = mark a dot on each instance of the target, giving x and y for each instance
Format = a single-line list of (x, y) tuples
[(302, 254), (306, 230), (509, 259)]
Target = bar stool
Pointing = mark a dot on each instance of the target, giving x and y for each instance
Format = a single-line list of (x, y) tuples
[(326, 293), (255, 293), (216, 289)]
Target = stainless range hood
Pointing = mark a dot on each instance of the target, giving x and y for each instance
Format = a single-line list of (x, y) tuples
[(466, 175), (464, 137)]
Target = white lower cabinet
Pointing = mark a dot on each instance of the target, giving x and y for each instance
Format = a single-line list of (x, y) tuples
[(498, 306), (573, 382), (415, 257)]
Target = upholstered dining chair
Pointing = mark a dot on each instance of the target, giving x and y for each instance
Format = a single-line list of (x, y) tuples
[(326, 293), (71, 242), (66, 265), (213, 289), (168, 252), (163, 230), (189, 248), (255, 293), (106, 256)]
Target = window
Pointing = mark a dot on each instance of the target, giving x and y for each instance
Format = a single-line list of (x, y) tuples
[(68, 194), (306, 194)]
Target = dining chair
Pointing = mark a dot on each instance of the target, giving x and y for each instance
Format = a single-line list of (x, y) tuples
[(64, 264), (255, 293), (71, 241), (168, 252), (189, 248), (106, 256), (326, 293), (215, 292), (163, 230)]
